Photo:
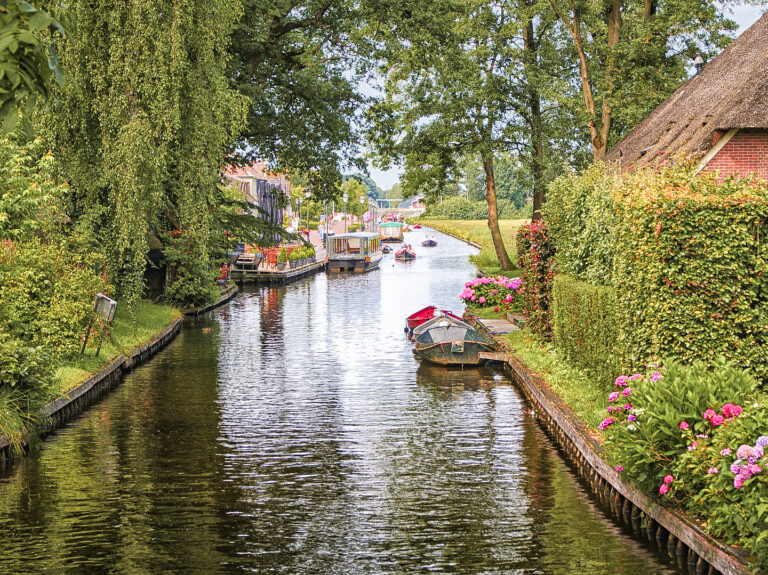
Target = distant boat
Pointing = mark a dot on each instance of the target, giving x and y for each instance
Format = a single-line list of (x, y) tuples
[(429, 242), (391, 232), (423, 315), (385, 249), (416, 226), (356, 252), (445, 340), (405, 254)]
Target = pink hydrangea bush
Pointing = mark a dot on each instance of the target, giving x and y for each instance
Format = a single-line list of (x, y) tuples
[(697, 437), (499, 292)]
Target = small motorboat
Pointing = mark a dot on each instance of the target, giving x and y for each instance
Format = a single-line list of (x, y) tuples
[(416, 226), (423, 315), (445, 340), (385, 249), (405, 254), (429, 242)]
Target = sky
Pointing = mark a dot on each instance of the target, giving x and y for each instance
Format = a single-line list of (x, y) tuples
[(744, 16)]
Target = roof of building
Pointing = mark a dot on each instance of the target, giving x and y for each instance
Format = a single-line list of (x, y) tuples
[(730, 93), (410, 201)]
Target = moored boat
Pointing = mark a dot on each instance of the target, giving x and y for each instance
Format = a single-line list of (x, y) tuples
[(391, 232), (416, 226), (445, 340), (385, 249), (425, 314), (429, 242), (405, 254), (356, 252)]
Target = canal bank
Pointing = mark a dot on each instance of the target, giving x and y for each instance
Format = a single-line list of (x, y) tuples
[(666, 531)]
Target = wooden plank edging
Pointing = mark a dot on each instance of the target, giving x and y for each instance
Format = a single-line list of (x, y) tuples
[(573, 431), (231, 291)]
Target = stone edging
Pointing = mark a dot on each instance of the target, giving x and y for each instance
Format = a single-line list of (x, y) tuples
[(61, 410), (672, 531), (226, 295)]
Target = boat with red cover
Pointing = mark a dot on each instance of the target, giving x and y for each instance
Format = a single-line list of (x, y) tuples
[(426, 314)]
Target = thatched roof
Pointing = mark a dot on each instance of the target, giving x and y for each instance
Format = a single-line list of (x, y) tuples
[(731, 92)]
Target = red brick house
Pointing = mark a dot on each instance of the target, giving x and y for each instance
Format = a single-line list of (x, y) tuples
[(719, 116)]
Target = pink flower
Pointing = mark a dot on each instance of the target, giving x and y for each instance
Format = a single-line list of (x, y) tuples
[(627, 406), (613, 396), (663, 489), (726, 451), (621, 380), (626, 391), (738, 481), (744, 452), (496, 309), (731, 410), (474, 297), (606, 423), (755, 469), (709, 414), (717, 420), (619, 469), (656, 376), (631, 417), (684, 425), (635, 377), (713, 470), (481, 300), (668, 479)]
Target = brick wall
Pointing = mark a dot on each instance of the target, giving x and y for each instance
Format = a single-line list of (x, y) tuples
[(745, 153)]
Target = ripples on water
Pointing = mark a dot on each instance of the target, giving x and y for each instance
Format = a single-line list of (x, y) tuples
[(300, 435)]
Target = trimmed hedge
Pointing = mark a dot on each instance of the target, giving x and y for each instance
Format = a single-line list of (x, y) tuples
[(535, 252), (686, 254), (584, 323)]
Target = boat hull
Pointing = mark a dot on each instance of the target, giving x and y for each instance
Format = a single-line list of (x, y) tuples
[(423, 315), (452, 352), (353, 265), (429, 243), (405, 256)]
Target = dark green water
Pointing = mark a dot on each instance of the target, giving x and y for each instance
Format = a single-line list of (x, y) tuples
[(292, 431)]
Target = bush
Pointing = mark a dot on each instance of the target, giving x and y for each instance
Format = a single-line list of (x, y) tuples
[(487, 292), (584, 326), (535, 251), (46, 299), (686, 254), (460, 208), (696, 437), (23, 367)]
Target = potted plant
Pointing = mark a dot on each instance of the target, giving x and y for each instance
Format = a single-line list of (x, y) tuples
[(311, 253), (293, 258), (282, 257)]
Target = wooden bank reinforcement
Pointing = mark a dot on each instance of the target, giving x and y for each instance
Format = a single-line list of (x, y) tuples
[(60, 411), (669, 531)]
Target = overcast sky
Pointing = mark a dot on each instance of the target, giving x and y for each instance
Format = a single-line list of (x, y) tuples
[(745, 16)]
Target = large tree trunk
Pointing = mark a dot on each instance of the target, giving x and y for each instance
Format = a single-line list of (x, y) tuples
[(530, 58), (493, 216)]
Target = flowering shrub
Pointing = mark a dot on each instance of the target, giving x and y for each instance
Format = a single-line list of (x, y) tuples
[(500, 291), (679, 432), (535, 251)]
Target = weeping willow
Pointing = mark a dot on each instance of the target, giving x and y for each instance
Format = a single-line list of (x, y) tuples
[(141, 130)]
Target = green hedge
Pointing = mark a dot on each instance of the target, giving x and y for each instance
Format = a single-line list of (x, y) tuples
[(685, 253), (584, 321), (459, 208), (535, 251)]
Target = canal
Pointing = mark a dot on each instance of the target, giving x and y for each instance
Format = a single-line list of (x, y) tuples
[(292, 431)]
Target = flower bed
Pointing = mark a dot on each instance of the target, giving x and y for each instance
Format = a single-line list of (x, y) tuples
[(679, 432), (492, 295)]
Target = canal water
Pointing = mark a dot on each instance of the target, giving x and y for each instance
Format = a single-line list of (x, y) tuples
[(292, 431)]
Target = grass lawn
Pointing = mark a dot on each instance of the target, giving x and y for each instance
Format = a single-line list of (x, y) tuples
[(489, 312), (123, 336), (477, 231), (582, 394)]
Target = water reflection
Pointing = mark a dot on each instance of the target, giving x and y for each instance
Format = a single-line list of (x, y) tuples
[(294, 432)]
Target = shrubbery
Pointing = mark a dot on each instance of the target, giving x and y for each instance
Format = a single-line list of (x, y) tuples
[(686, 255), (499, 292), (584, 325), (535, 252), (460, 208), (696, 436)]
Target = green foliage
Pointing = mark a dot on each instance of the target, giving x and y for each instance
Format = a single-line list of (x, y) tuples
[(535, 251), (46, 299), (142, 131), (585, 325), (282, 256), (29, 193), (459, 208), (685, 253), (27, 60), (23, 367), (650, 447)]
